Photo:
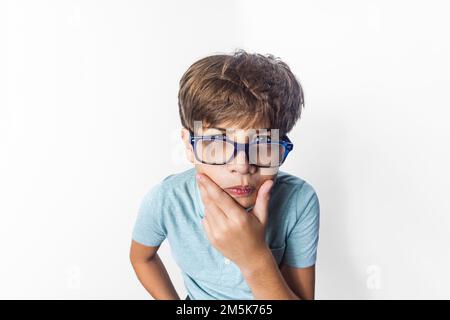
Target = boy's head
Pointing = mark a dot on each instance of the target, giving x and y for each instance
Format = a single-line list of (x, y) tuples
[(244, 92)]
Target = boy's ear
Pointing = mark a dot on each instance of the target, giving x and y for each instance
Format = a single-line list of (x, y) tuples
[(187, 144)]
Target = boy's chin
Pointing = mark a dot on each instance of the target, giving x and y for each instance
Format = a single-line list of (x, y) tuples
[(245, 202)]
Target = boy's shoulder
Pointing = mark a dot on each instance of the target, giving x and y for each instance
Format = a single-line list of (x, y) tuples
[(173, 190), (289, 181), (298, 191), (174, 183), (179, 178)]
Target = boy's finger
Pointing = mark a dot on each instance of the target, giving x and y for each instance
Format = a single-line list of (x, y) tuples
[(216, 217), (216, 213), (261, 208), (203, 194), (207, 227)]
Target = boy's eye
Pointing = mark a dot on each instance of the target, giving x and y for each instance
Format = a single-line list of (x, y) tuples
[(215, 136), (262, 139)]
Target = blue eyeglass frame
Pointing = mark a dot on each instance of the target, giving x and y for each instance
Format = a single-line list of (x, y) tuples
[(284, 141)]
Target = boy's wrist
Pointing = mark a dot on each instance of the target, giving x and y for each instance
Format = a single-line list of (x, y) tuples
[(256, 264)]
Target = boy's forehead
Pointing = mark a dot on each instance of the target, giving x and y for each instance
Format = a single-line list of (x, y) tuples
[(240, 126), (235, 130)]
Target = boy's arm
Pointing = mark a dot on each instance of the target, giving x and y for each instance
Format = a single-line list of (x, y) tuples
[(268, 281), (151, 272), (300, 280)]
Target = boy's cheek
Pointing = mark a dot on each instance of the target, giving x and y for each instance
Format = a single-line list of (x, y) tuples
[(211, 171), (190, 156), (268, 173)]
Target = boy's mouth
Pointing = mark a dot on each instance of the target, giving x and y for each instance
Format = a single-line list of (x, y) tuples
[(241, 191)]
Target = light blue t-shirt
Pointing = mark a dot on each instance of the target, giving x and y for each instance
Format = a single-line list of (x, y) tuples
[(173, 209)]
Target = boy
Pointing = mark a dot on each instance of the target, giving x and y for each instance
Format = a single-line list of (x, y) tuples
[(238, 227)]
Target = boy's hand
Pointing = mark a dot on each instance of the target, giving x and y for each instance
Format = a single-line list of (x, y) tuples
[(239, 235)]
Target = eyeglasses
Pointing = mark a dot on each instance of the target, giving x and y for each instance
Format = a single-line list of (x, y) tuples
[(218, 150)]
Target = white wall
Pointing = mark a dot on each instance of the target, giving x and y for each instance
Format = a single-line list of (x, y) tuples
[(86, 88)]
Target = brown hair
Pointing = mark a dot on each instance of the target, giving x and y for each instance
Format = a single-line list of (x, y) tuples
[(240, 88)]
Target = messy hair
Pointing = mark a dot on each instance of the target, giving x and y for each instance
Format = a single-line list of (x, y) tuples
[(244, 89)]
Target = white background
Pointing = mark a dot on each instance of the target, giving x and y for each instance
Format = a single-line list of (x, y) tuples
[(89, 122)]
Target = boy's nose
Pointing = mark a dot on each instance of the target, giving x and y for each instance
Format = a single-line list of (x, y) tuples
[(240, 164)]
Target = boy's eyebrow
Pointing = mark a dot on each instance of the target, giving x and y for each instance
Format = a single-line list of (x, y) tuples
[(224, 130), (220, 129)]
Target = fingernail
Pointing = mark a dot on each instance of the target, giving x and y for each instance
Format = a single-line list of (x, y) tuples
[(199, 177)]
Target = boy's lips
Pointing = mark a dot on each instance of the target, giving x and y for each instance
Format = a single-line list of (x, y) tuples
[(242, 191)]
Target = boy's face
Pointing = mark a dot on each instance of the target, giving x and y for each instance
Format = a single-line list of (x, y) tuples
[(238, 172)]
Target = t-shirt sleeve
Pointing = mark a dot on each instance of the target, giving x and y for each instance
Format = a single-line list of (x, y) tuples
[(149, 227), (302, 241)]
